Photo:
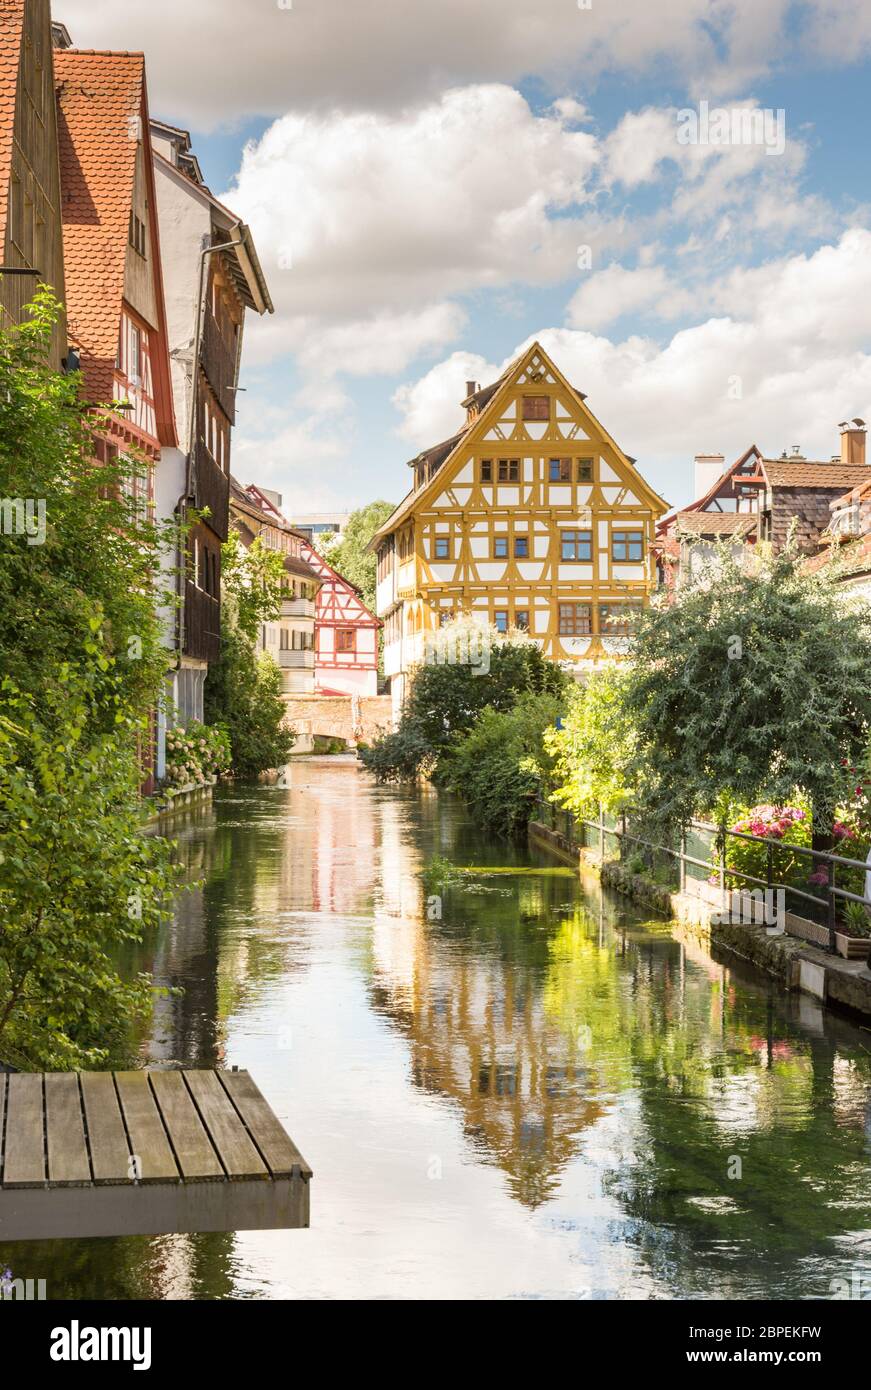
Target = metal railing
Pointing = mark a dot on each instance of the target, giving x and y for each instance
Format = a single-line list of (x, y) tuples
[(825, 902)]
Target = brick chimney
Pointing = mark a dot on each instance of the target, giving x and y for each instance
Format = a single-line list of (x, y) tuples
[(853, 441), (471, 408)]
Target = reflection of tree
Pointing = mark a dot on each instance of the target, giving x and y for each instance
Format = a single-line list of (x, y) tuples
[(135, 1267)]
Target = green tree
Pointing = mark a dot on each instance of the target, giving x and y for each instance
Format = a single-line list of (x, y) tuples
[(251, 583), (502, 765), (81, 671), (243, 687), (594, 748), (446, 698), (755, 682), (349, 555)]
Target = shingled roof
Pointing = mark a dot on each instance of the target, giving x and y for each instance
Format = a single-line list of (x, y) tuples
[(99, 108), (11, 26), (813, 473), (695, 523)]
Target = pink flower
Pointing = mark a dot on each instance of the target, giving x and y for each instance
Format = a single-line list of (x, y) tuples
[(819, 876)]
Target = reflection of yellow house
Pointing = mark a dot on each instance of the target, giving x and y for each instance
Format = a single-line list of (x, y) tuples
[(480, 1033), (531, 517)]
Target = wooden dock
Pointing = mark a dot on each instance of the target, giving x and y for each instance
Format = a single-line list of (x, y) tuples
[(144, 1153)]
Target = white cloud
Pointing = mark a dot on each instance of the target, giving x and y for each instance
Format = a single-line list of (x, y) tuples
[(213, 61), (367, 224), (793, 333), (615, 291)]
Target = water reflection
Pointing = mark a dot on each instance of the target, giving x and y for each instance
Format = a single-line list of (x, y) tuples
[(532, 1092)]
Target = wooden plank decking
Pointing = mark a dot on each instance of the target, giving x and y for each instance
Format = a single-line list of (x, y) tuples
[(143, 1153)]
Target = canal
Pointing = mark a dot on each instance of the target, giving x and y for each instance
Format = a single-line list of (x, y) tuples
[(508, 1084)]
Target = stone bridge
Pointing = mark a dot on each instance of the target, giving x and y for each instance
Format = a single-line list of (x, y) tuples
[(356, 719)]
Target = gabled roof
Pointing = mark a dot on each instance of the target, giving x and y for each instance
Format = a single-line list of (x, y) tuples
[(701, 503), (814, 473), (11, 28), (99, 101), (492, 396), (102, 118)]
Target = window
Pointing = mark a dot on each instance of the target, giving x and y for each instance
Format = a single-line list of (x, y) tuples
[(521, 619), (521, 547), (627, 545), (615, 618), (500, 619), (345, 639), (486, 470), (442, 548), (509, 470), (500, 547), (536, 407), (576, 545), (574, 620), (585, 470), (134, 370), (136, 234), (560, 470)]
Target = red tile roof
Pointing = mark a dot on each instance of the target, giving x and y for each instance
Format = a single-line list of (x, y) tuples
[(100, 101), (810, 473), (697, 523), (11, 25)]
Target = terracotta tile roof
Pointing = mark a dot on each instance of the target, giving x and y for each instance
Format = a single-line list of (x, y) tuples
[(99, 106), (811, 473), (715, 523), (11, 25)]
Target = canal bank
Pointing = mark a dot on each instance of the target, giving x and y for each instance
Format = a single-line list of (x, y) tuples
[(511, 1082), (794, 962)]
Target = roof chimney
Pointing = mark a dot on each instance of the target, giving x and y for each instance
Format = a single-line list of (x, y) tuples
[(707, 468), (853, 441)]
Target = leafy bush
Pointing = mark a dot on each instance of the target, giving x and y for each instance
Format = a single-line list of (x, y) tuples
[(501, 766), (243, 696), (445, 700), (198, 753)]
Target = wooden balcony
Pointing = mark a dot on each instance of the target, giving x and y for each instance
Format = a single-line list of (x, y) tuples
[(212, 490), (219, 364), (202, 624)]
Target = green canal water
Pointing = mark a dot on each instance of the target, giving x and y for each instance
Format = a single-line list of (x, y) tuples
[(508, 1086)]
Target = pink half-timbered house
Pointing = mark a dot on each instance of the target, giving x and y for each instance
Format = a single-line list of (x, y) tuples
[(346, 632)]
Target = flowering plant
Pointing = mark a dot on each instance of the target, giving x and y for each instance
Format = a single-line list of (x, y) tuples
[(196, 754)]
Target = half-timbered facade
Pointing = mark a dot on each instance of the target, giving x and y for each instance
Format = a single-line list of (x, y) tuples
[(346, 634), (530, 517)]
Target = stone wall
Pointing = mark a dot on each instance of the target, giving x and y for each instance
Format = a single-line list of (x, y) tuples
[(336, 716)]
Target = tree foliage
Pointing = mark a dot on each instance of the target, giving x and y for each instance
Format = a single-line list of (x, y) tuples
[(251, 583), (349, 555), (754, 684), (446, 699), (81, 672), (243, 696), (502, 765), (593, 750)]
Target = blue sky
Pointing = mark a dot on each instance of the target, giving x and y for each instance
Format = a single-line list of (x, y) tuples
[(419, 182)]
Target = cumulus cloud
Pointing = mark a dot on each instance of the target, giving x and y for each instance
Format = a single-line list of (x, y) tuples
[(789, 336), (213, 61), (367, 225)]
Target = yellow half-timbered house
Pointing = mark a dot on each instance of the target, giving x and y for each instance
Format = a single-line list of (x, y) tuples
[(530, 517)]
